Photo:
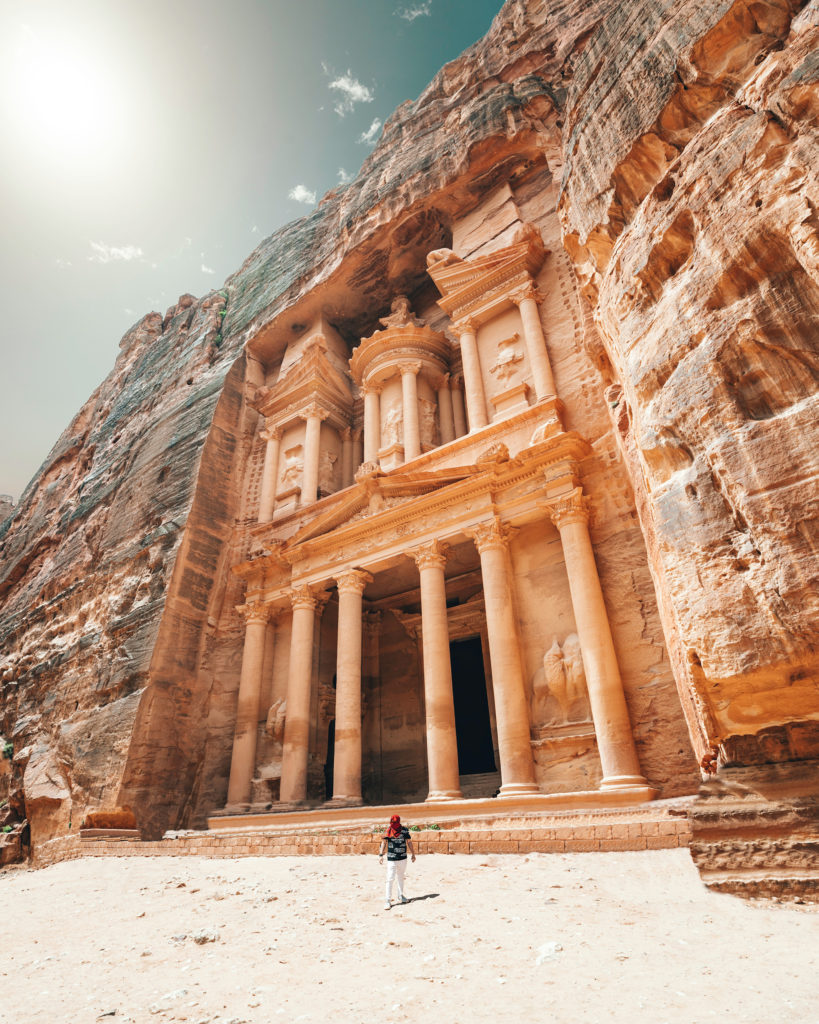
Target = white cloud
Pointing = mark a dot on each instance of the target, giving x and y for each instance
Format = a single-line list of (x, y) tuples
[(103, 253), (63, 264), (207, 270), (344, 178), (302, 194), (255, 229), (421, 10), (371, 133), (350, 91)]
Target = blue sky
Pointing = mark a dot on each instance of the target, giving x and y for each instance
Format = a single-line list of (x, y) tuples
[(149, 146)]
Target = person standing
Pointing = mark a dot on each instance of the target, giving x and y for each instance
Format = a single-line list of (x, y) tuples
[(396, 843)]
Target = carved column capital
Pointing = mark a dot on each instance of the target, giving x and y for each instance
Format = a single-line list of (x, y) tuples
[(270, 433), (371, 622), (409, 367), (464, 326), (491, 534), (371, 387), (456, 382), (353, 581), (441, 382), (254, 612), (528, 290), (573, 508), (303, 596), (347, 434), (430, 555), (314, 409)]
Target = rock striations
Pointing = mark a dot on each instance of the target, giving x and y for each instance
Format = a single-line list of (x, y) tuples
[(666, 153)]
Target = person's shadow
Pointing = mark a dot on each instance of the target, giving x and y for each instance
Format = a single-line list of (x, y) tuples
[(417, 899)]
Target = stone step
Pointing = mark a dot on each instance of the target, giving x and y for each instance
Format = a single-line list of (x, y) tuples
[(485, 784)]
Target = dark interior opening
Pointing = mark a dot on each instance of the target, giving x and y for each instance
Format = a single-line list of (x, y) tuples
[(328, 764), (473, 731)]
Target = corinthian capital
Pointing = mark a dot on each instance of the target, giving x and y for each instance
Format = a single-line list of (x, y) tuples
[(413, 368), (254, 612), (526, 291), (571, 509), (271, 434), (303, 596), (430, 555), (491, 534), (353, 581), (464, 326), (314, 409)]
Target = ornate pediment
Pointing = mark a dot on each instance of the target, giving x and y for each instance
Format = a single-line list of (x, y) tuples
[(466, 285), (313, 378)]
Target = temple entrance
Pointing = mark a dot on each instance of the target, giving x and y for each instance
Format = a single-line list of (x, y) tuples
[(472, 726)]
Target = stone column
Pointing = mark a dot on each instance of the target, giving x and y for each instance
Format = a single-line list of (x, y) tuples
[(511, 705), (297, 718), (243, 759), (409, 394), (526, 301), (313, 416), (445, 413), (358, 451), (270, 472), (371, 679), (458, 411), (473, 381), (372, 422), (347, 754), (442, 745), (612, 727), (347, 468)]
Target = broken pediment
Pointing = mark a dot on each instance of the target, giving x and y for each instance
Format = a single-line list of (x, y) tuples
[(313, 379)]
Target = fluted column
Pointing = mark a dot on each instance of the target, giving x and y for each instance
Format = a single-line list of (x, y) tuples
[(511, 706), (347, 754), (458, 411), (243, 759), (612, 727), (347, 468), (409, 393), (297, 719), (270, 471), (442, 744), (445, 414), (473, 381), (372, 422), (313, 416), (542, 376)]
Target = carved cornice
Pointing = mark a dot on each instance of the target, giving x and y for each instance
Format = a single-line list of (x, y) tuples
[(353, 581), (574, 508), (491, 534), (432, 555)]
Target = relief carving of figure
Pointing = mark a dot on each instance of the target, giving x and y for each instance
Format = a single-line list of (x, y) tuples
[(393, 429), (274, 727), (293, 466), (400, 314), (327, 472), (508, 357), (559, 693), (427, 425)]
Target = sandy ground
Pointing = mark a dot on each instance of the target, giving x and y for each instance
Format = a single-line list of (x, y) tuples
[(577, 937)]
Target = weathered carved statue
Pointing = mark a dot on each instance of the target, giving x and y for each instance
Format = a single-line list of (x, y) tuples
[(293, 467), (575, 673), (559, 691), (327, 472), (274, 727), (393, 430), (444, 257), (508, 357), (401, 315), (427, 425)]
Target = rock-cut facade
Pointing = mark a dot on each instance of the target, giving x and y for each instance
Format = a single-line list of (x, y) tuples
[(494, 477)]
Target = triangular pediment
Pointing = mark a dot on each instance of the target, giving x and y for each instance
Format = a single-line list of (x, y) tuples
[(377, 493)]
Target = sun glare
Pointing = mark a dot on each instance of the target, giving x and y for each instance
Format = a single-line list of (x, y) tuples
[(62, 98)]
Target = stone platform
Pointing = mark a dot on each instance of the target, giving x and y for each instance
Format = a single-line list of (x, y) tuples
[(345, 831)]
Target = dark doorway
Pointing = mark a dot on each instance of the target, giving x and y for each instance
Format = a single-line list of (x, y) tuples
[(328, 764), (474, 734)]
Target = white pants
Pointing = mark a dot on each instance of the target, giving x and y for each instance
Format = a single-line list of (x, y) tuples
[(396, 869)]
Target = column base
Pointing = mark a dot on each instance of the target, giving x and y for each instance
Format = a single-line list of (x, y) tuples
[(624, 782), (228, 809), (444, 794), (518, 789), (344, 801)]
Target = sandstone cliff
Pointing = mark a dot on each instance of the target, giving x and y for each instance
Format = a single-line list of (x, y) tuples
[(683, 138)]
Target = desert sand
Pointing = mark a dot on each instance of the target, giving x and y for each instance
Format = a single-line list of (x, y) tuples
[(576, 937)]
